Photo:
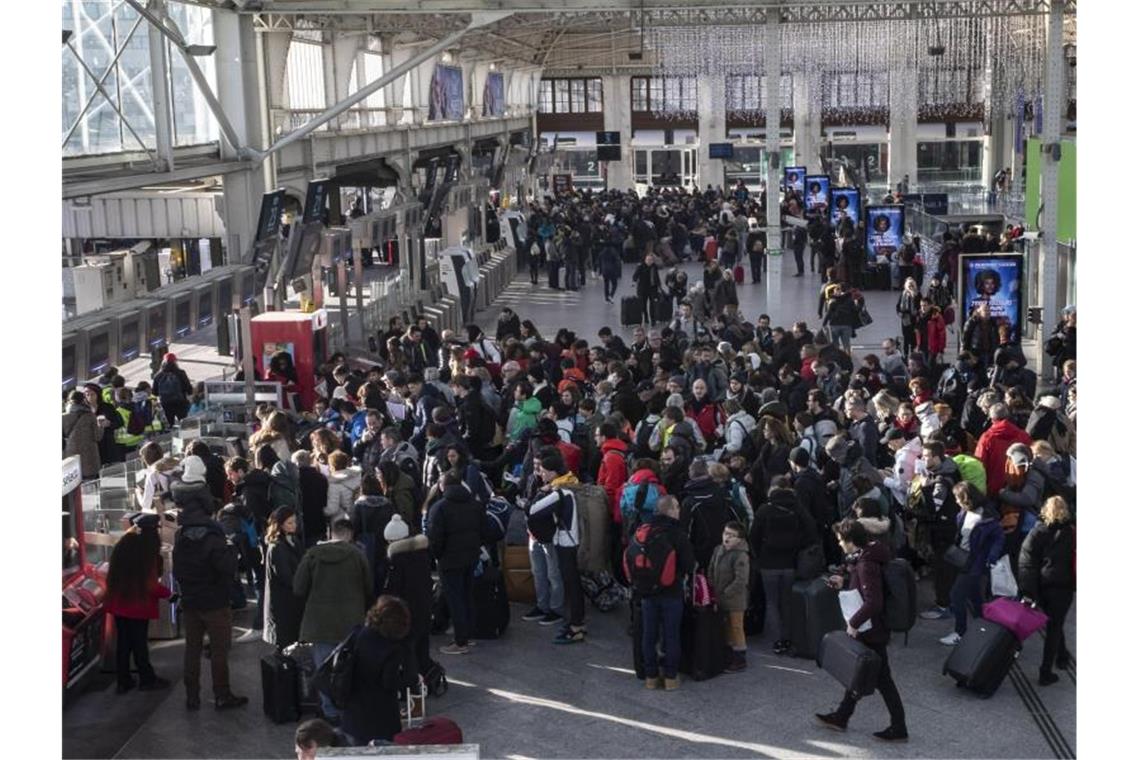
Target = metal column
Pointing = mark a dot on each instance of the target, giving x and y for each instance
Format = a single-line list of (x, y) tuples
[(1050, 136), (772, 71), (160, 89)]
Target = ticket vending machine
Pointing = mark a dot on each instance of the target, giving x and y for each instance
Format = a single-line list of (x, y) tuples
[(179, 313), (204, 301), (83, 588), (99, 341), (156, 325), (129, 326), (303, 335), (224, 306)]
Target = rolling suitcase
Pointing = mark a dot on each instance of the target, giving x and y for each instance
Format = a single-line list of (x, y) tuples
[(308, 698), (492, 610), (279, 688), (982, 659), (663, 309), (420, 730), (702, 642), (738, 274), (852, 663), (812, 610), (630, 311)]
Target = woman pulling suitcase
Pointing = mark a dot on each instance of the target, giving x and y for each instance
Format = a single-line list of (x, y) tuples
[(865, 560)]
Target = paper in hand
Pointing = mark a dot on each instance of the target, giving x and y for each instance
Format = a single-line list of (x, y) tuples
[(849, 603)]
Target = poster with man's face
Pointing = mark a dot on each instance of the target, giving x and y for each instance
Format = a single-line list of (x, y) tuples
[(884, 231), (817, 195), (992, 282), (844, 205), (794, 179)]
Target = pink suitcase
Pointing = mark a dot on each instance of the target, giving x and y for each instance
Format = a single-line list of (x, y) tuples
[(1019, 619)]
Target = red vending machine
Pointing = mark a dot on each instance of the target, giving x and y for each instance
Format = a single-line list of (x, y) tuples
[(83, 587), (304, 336)]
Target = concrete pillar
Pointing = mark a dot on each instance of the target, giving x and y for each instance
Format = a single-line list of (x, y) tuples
[(903, 157), (617, 117), (242, 99), (807, 110), (160, 89), (421, 89), (772, 67), (711, 127), (1054, 110), (394, 56)]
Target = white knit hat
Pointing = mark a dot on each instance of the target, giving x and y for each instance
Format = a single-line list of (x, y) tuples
[(193, 470), (396, 529)]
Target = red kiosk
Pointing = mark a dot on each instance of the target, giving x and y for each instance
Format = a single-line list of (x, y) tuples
[(83, 587), (303, 335)]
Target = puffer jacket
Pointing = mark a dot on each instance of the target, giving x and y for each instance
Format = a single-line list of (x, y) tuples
[(992, 447), (454, 528), (736, 428), (780, 530), (728, 573), (1048, 559), (612, 474), (192, 498), (204, 563), (343, 486), (409, 577), (866, 576)]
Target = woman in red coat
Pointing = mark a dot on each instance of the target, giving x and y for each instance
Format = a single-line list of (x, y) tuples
[(133, 591), (930, 329)]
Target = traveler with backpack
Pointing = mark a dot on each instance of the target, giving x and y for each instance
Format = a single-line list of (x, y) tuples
[(558, 509), (1047, 579), (173, 388), (658, 560), (704, 512), (335, 584), (738, 430), (978, 544), (409, 577), (995, 442), (344, 484), (370, 515), (400, 488), (931, 501), (865, 561), (612, 475), (729, 574), (383, 668), (781, 529), (548, 589), (454, 530)]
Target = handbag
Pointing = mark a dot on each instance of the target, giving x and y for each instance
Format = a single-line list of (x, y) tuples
[(864, 316), (1002, 582), (956, 557), (703, 595)]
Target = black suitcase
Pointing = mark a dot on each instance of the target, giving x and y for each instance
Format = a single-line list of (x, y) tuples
[(279, 684), (702, 642), (630, 311), (663, 309), (492, 609), (852, 663), (812, 610), (435, 679), (982, 659), (308, 698), (900, 589), (757, 605)]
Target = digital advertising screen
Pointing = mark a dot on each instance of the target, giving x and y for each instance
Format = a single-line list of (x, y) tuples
[(446, 94), (607, 138), (794, 178), (817, 194), (993, 280), (315, 196), (844, 205), (269, 220), (720, 150), (493, 102), (884, 231)]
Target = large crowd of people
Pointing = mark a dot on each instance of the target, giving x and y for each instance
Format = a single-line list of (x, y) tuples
[(722, 447)]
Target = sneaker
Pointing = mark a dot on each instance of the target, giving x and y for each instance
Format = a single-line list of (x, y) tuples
[(935, 613), (950, 640), (783, 646), (535, 614), (571, 636), (1047, 678), (158, 683), (229, 702), (550, 618), (672, 684), (891, 734), (832, 721), (654, 682), (454, 649)]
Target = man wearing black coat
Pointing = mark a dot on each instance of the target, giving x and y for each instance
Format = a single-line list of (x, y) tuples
[(314, 495), (454, 532), (625, 399), (648, 281), (476, 420), (204, 566), (814, 498)]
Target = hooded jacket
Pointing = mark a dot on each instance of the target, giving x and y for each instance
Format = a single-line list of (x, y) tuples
[(704, 513), (402, 496), (866, 576), (454, 527), (813, 498), (1048, 557), (204, 563), (336, 583), (81, 434), (524, 417), (992, 447), (285, 488), (728, 573), (282, 622), (409, 577), (343, 486), (612, 473), (192, 498), (780, 530)]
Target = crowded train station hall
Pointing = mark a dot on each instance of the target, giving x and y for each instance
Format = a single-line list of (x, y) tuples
[(577, 379)]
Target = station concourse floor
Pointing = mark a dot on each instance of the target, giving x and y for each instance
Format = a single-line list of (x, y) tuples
[(522, 697)]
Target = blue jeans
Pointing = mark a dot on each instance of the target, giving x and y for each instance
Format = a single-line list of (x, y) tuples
[(661, 615), (967, 590), (547, 577), (321, 652), (841, 335)]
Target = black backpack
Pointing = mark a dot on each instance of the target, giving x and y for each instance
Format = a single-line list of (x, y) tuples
[(900, 596), (748, 448), (544, 525), (167, 385), (334, 675), (650, 560)]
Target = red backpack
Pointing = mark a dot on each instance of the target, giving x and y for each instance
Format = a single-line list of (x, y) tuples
[(650, 560)]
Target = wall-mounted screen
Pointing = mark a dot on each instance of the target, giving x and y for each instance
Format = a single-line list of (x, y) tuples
[(794, 178), (720, 150), (844, 205), (818, 194), (269, 220), (993, 280), (315, 197), (884, 230)]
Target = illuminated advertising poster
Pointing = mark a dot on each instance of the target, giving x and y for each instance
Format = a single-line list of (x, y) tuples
[(818, 193), (794, 179), (446, 94), (844, 205), (884, 231), (994, 280), (493, 101)]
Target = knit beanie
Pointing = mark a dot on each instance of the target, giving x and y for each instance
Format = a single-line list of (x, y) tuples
[(396, 529)]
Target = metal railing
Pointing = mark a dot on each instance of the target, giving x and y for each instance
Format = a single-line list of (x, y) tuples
[(356, 118)]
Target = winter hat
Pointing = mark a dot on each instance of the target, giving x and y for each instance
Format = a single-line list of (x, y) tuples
[(768, 395), (799, 457), (675, 399), (723, 347), (396, 529), (837, 448), (193, 470), (678, 380), (1020, 455), (169, 358), (1050, 402), (740, 377)]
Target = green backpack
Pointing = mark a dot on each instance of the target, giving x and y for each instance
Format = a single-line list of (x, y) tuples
[(972, 471)]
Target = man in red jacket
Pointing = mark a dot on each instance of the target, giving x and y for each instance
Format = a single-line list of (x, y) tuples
[(611, 477), (993, 444)]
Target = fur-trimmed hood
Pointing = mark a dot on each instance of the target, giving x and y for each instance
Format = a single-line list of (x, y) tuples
[(404, 545)]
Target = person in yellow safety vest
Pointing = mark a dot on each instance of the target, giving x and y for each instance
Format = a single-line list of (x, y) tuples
[(111, 389), (148, 420)]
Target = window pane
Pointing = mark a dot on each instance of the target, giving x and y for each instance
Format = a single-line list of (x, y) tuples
[(656, 93), (594, 95), (546, 96), (577, 95), (562, 96)]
